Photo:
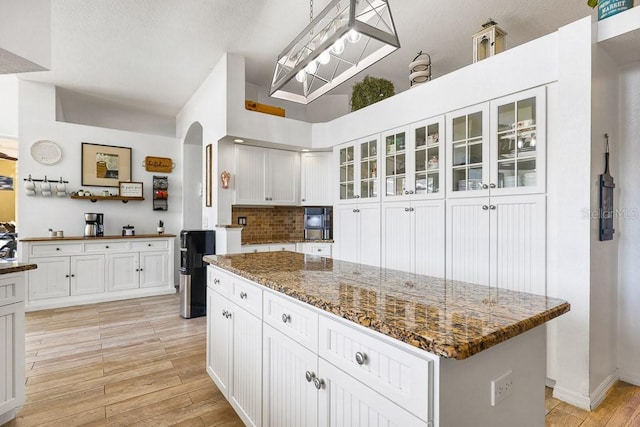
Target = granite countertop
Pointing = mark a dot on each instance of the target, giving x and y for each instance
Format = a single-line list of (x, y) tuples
[(15, 267), (277, 241), (447, 318), (116, 236)]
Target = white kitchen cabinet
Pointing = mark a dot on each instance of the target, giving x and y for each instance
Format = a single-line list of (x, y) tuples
[(92, 270), (411, 161), (358, 177), (498, 148), (290, 399), (357, 233), (413, 237), (268, 247), (234, 338), (345, 401), (315, 248), (316, 179), (12, 349), (266, 177), (66, 275), (498, 241)]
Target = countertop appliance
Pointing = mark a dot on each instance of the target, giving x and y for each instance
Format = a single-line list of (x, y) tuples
[(128, 230), (93, 224), (317, 224), (194, 244)]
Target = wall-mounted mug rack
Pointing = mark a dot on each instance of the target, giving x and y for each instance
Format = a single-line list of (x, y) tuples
[(47, 188)]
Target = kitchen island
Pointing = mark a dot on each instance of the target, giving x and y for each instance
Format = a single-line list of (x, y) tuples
[(347, 342), (12, 294)]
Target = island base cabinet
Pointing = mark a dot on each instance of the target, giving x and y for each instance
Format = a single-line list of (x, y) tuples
[(234, 338), (344, 401), (289, 399), (11, 359)]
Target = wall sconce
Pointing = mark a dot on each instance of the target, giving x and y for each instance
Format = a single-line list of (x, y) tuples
[(489, 41), (420, 69), (225, 177)]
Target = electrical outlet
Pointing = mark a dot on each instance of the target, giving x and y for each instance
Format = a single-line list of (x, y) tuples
[(242, 220), (501, 387)]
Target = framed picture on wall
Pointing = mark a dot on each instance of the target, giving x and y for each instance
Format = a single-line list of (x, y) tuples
[(105, 165)]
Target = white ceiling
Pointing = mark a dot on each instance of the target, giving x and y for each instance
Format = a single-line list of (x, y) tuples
[(154, 54)]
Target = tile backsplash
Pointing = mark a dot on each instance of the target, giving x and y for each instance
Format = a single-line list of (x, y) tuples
[(277, 223)]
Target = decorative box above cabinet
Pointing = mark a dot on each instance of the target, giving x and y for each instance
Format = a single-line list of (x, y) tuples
[(358, 178), (266, 177)]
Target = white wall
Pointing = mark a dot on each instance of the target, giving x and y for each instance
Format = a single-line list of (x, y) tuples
[(604, 255), (628, 232), (37, 214), (192, 201), (8, 105)]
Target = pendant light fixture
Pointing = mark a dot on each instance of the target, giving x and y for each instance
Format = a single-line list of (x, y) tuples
[(344, 39)]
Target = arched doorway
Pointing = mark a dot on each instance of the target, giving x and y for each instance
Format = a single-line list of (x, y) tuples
[(192, 178)]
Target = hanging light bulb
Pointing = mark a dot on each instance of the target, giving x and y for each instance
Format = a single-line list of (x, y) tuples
[(338, 46), (353, 36), (324, 57), (311, 67), (301, 76)]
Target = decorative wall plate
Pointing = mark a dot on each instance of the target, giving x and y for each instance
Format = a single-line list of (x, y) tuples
[(46, 152)]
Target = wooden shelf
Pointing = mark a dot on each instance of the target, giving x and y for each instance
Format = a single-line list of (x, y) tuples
[(94, 199)]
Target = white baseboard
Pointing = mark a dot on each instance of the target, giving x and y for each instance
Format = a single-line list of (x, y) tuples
[(550, 383), (588, 403), (600, 393), (630, 377)]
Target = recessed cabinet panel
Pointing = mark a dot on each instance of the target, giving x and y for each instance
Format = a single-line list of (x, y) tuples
[(50, 279), (87, 274), (317, 180), (122, 271)]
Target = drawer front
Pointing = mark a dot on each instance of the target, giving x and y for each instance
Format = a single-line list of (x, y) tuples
[(247, 249), (219, 281), (149, 244), (247, 295), (56, 249), (402, 377), (323, 250), (283, 247), (11, 288), (105, 246), (292, 318)]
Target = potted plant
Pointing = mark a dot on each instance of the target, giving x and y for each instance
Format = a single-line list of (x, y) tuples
[(369, 91), (607, 8), (160, 227)]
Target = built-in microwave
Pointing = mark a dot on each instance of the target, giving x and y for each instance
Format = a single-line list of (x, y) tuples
[(317, 224)]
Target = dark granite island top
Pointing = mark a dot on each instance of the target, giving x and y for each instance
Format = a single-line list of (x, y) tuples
[(15, 267), (446, 318)]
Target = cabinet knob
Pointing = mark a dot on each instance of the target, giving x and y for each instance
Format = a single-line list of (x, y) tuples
[(286, 318), (410, 191), (485, 207), (106, 247), (255, 250), (309, 376), (485, 186), (304, 200), (357, 210), (318, 383), (319, 249), (406, 209), (354, 210), (73, 275), (66, 275), (224, 313), (149, 244), (357, 196), (243, 295), (142, 269), (57, 249), (137, 269), (361, 358), (228, 315), (411, 209), (406, 191), (492, 185), (492, 207)]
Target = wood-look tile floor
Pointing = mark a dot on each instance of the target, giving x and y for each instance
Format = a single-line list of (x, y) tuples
[(137, 363)]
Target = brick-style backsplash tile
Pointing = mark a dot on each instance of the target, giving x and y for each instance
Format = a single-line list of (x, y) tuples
[(277, 223)]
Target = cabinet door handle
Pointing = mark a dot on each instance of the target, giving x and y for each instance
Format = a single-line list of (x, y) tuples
[(243, 295), (73, 275), (485, 186), (57, 249), (106, 247), (410, 191), (304, 200), (66, 275), (137, 269), (406, 209), (411, 209), (357, 210), (406, 191), (492, 185), (255, 251), (224, 313), (485, 207), (309, 376), (286, 318), (318, 383), (228, 315), (319, 249), (361, 358), (492, 207), (149, 244), (142, 269), (216, 281)]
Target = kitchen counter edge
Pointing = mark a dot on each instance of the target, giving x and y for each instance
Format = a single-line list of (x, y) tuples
[(15, 267), (91, 238)]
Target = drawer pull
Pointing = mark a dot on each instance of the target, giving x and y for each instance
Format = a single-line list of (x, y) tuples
[(57, 249), (309, 376), (149, 244), (318, 383), (319, 249), (216, 281), (361, 358), (243, 295), (286, 318), (107, 247), (66, 275)]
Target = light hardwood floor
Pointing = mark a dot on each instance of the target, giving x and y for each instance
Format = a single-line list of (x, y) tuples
[(137, 363)]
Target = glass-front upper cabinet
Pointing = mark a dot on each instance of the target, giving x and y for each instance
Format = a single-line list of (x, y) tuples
[(468, 152), (358, 170), (412, 161), (518, 143)]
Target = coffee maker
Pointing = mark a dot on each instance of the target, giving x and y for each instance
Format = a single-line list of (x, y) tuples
[(93, 224)]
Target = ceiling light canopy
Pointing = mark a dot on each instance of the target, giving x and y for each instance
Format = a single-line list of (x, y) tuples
[(344, 39)]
